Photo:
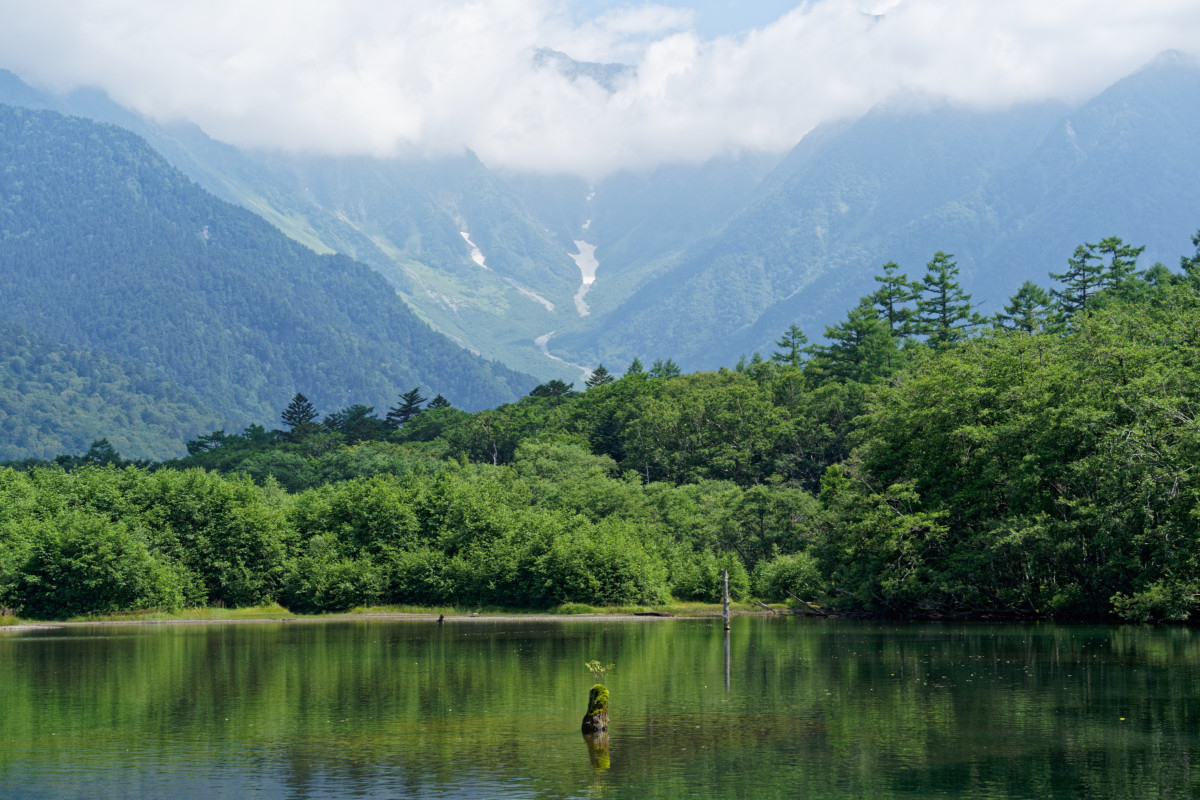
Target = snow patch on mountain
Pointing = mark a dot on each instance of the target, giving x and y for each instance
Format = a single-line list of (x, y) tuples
[(585, 259), (476, 253), (532, 295)]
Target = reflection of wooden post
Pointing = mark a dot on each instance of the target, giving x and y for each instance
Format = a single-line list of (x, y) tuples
[(727, 659), (596, 718), (725, 596)]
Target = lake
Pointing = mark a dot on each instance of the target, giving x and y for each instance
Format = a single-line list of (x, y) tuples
[(788, 708)]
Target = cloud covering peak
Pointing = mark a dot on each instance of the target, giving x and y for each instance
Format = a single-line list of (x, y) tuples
[(388, 77)]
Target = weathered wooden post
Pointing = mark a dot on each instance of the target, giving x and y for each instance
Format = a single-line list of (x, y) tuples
[(725, 596)]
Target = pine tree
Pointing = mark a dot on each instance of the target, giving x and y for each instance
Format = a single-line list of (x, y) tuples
[(299, 412), (599, 377), (664, 369), (1081, 281), (943, 310), (1028, 310), (894, 292), (791, 347), (860, 349), (409, 407), (1191, 266), (635, 367), (438, 402)]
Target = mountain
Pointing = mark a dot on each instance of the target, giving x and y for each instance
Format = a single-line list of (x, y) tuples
[(106, 247), (425, 225), (1010, 193), (550, 274)]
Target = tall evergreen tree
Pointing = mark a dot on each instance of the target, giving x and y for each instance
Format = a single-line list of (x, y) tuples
[(298, 412), (1191, 266), (1081, 281), (1028, 310), (944, 313), (1122, 261), (861, 348), (599, 377), (438, 402), (891, 298), (409, 407), (791, 347), (357, 423), (664, 369), (554, 389), (635, 367)]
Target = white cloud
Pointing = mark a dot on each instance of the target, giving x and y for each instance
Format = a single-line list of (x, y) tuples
[(393, 76)]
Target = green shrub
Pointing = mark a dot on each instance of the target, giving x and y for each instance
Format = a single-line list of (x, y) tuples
[(79, 563), (697, 576), (796, 573), (603, 564), (321, 580)]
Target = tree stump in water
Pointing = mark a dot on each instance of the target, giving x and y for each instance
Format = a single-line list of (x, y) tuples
[(596, 718)]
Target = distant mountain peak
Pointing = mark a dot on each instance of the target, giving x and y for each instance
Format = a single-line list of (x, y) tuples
[(609, 76)]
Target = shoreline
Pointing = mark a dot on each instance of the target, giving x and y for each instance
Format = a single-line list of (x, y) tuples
[(381, 616)]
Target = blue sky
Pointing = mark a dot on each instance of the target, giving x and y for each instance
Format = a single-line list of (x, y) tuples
[(713, 18)]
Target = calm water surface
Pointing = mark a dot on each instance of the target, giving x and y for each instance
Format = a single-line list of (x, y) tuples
[(790, 708)]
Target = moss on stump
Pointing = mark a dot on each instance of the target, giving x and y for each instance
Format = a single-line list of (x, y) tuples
[(596, 718)]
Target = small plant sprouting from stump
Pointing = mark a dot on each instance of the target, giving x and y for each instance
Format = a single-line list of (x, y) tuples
[(595, 721), (598, 670)]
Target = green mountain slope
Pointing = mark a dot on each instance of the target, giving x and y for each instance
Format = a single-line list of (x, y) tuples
[(56, 399), (103, 245)]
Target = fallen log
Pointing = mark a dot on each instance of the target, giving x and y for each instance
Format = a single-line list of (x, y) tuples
[(810, 606)]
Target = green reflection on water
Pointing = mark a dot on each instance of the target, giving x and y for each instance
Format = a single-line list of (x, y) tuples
[(410, 709)]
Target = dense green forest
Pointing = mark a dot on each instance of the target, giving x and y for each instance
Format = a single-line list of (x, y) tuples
[(105, 247), (54, 398), (920, 461)]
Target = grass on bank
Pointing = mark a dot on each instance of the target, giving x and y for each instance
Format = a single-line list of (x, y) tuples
[(276, 611)]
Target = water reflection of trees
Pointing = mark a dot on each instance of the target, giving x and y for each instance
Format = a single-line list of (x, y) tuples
[(814, 708)]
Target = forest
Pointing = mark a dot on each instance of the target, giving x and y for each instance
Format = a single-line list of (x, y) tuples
[(920, 461)]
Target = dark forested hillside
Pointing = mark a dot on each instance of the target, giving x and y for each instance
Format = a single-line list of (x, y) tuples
[(105, 246), (56, 399)]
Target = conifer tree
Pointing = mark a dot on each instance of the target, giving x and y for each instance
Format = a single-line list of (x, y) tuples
[(1028, 310), (599, 377), (943, 309), (635, 367), (1191, 266), (894, 292), (791, 347), (664, 369), (438, 402), (1122, 260), (860, 348), (409, 407), (1081, 281), (298, 412)]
